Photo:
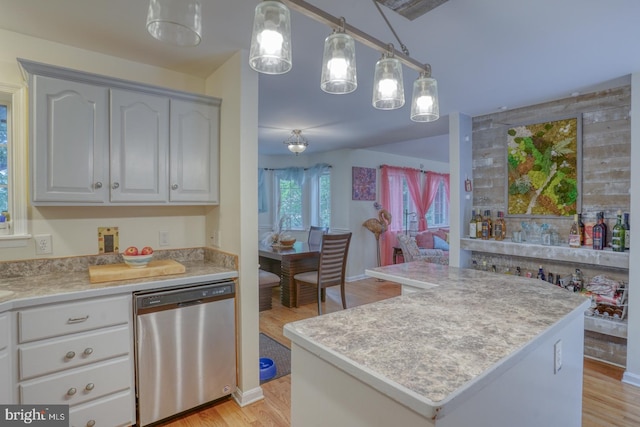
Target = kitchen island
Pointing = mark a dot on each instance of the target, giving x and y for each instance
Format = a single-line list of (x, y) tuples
[(466, 348)]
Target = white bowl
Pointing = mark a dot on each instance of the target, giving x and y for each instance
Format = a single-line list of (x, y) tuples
[(137, 261)]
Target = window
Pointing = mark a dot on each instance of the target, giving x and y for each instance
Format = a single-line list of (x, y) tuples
[(304, 202), (4, 159), (437, 216)]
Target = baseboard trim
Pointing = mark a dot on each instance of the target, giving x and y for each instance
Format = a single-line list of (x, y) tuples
[(249, 397), (354, 278), (630, 378)]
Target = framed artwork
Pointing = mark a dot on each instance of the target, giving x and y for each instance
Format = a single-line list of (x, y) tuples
[(363, 183), (544, 168)]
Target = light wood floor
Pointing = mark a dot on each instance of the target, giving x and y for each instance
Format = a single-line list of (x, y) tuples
[(606, 401)]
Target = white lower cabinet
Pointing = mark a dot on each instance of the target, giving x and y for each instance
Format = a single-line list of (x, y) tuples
[(5, 362), (79, 354)]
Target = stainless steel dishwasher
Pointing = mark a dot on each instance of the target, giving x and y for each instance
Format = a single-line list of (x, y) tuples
[(185, 348)]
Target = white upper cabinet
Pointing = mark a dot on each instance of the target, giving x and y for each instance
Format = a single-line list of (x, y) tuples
[(70, 156), (194, 149), (100, 140), (139, 147)]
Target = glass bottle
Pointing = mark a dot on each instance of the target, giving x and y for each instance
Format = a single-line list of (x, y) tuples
[(472, 225), (598, 234), (487, 217), (500, 227), (574, 233), (581, 229), (485, 228), (541, 275), (627, 232), (617, 235), (605, 232), (478, 225)]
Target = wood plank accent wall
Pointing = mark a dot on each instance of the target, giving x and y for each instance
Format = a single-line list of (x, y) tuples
[(606, 149)]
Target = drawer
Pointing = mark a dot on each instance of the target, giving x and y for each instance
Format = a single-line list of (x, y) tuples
[(67, 318), (4, 331), (79, 385), (111, 411), (41, 358)]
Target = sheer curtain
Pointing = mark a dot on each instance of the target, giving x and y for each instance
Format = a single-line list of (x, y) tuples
[(414, 178), (391, 199), (431, 188)]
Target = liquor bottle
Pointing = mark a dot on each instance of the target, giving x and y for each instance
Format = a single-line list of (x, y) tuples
[(605, 232), (617, 235), (574, 233), (485, 228), (487, 217), (598, 234), (478, 225), (541, 275), (581, 229), (500, 227), (627, 232), (472, 225)]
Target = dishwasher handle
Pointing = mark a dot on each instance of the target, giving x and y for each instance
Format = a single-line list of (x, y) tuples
[(189, 303)]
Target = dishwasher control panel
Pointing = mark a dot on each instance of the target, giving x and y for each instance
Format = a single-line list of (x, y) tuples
[(186, 295)]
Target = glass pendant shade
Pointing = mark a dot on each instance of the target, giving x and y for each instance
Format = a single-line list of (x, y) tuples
[(388, 87), (178, 22), (271, 39), (339, 64), (424, 104), (296, 142)]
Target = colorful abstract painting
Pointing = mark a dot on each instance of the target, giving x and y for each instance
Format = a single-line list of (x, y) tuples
[(363, 183), (543, 168)]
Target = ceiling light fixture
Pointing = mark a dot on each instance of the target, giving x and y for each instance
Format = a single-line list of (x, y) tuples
[(388, 84), (296, 142), (277, 58), (424, 103), (178, 22), (271, 39), (339, 63)]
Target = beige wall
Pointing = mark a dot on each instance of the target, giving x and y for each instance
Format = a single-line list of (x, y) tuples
[(74, 230)]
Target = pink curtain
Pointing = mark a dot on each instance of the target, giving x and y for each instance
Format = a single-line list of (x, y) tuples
[(391, 199), (413, 177), (431, 187)]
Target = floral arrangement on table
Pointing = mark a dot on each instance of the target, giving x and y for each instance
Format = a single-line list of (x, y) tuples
[(278, 237)]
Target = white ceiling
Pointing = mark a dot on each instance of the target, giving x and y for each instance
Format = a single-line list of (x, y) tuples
[(485, 55)]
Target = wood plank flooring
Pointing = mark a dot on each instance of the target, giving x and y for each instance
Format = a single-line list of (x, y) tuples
[(606, 401)]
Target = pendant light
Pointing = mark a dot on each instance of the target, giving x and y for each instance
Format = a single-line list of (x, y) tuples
[(424, 103), (339, 63), (178, 22), (296, 142), (271, 39), (388, 86)]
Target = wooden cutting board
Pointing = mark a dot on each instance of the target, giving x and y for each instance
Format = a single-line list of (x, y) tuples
[(111, 272)]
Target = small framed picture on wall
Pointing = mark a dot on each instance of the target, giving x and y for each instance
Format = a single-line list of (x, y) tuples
[(363, 183)]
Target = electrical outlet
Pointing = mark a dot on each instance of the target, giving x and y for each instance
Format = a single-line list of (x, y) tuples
[(557, 356), (43, 244), (163, 238), (215, 238)]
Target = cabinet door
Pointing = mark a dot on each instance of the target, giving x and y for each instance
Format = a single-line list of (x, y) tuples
[(69, 150), (194, 152), (139, 147), (5, 363)]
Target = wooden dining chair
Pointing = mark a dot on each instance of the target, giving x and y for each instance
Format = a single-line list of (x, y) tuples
[(315, 235), (331, 268)]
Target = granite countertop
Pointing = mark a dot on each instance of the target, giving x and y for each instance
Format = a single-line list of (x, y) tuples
[(69, 283), (426, 347)]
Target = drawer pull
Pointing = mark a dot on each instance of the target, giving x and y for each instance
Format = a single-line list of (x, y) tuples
[(71, 391), (91, 423), (78, 319), (89, 386), (88, 351), (70, 355)]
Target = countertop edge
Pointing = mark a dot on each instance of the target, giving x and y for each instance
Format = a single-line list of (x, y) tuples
[(114, 288), (401, 280)]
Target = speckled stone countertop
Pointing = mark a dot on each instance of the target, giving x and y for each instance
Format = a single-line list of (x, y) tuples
[(31, 282), (427, 347)]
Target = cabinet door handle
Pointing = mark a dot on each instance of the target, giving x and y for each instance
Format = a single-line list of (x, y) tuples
[(115, 185), (174, 187), (98, 185), (70, 354), (91, 423), (88, 351), (77, 319), (71, 391), (89, 386)]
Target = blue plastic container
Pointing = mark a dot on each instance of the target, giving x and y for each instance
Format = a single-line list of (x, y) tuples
[(267, 369)]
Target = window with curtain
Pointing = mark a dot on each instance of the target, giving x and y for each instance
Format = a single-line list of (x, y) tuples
[(437, 215), (289, 202), (4, 159)]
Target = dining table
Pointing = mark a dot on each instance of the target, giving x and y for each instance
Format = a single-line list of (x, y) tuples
[(286, 262)]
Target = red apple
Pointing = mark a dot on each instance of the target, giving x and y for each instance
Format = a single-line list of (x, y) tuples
[(131, 250), (147, 250)]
